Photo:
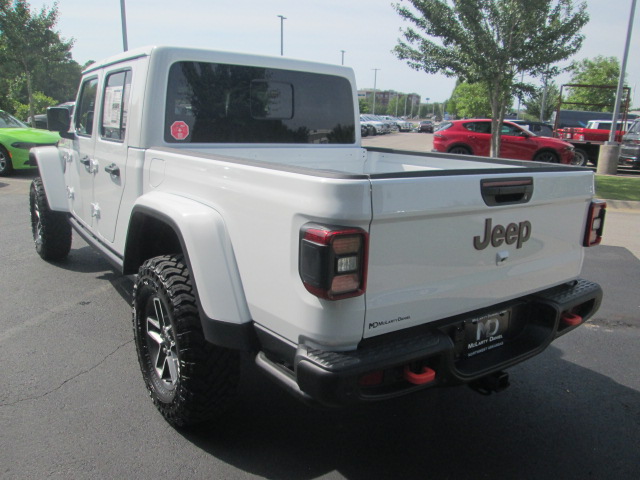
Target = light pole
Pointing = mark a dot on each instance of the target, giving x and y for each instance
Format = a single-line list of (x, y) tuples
[(123, 16), (609, 152), (375, 78), (342, 56), (282, 19), (427, 102)]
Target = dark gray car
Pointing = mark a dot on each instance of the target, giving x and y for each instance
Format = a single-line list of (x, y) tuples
[(630, 148)]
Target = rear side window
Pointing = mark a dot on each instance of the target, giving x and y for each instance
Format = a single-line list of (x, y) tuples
[(219, 103), (115, 106), (86, 108), (478, 127)]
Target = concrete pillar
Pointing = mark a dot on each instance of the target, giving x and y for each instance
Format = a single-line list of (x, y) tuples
[(608, 159)]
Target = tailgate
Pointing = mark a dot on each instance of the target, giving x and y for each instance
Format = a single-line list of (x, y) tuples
[(437, 249)]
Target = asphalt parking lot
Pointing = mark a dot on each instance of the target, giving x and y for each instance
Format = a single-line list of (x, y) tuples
[(73, 404)]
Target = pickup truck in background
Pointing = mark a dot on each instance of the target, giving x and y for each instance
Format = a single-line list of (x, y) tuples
[(585, 129), (587, 140), (236, 189)]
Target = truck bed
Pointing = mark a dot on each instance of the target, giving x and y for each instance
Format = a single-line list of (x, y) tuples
[(422, 212)]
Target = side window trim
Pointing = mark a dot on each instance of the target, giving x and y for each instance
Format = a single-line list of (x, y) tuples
[(116, 113), (84, 118)]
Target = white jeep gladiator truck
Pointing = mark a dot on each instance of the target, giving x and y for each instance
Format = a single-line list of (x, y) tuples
[(236, 189)]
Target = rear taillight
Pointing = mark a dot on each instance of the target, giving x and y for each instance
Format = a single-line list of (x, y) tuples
[(333, 261), (595, 223)]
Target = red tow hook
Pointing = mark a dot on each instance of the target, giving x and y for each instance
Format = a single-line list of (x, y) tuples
[(571, 319), (427, 375)]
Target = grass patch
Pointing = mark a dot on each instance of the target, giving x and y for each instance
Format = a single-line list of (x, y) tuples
[(618, 188)]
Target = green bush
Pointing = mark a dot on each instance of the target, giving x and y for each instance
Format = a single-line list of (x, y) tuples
[(40, 104)]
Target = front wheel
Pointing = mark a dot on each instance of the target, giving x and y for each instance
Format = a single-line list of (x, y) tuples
[(6, 167), (580, 158), (189, 380), (546, 156), (51, 230)]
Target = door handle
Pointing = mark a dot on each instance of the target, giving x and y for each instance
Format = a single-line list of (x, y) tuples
[(85, 161), (112, 169)]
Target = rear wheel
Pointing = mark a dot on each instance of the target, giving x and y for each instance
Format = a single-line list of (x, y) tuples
[(6, 167), (580, 158), (189, 379), (51, 230), (546, 156), (460, 150)]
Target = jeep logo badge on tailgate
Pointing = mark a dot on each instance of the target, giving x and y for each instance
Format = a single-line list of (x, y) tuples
[(517, 233)]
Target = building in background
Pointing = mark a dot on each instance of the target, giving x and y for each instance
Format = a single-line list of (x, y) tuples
[(402, 104)]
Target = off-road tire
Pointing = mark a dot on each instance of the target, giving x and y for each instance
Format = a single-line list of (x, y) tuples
[(6, 167), (189, 380), (51, 230)]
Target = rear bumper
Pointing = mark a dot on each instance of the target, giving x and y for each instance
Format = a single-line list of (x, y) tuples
[(377, 370)]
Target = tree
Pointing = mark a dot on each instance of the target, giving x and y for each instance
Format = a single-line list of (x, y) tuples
[(396, 104), (597, 71), (534, 102), (491, 41), (471, 100), (40, 104), (364, 105), (34, 52)]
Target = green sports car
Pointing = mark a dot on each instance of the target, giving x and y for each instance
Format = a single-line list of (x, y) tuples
[(16, 138)]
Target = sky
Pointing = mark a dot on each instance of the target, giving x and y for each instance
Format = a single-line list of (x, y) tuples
[(367, 31)]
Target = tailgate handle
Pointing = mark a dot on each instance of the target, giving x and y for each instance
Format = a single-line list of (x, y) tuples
[(506, 191)]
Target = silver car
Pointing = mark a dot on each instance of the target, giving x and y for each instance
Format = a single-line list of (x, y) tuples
[(630, 148)]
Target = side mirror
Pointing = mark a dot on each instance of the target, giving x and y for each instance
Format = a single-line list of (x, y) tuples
[(59, 120)]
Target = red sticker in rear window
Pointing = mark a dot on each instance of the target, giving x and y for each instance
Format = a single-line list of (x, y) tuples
[(179, 130)]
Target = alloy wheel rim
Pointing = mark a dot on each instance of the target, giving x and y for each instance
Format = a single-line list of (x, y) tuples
[(37, 226), (162, 346)]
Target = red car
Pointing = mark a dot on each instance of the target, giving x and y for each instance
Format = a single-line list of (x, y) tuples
[(473, 137)]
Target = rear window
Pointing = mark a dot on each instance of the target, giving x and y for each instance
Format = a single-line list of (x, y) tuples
[(478, 127), (219, 103), (443, 126)]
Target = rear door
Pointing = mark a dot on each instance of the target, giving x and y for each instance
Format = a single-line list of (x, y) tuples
[(479, 137), (110, 155)]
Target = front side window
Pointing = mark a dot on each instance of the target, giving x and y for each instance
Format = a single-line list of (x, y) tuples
[(7, 121), (86, 107), (510, 130), (219, 103), (115, 106)]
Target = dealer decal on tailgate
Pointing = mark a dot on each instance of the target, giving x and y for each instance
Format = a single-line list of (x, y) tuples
[(486, 332)]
